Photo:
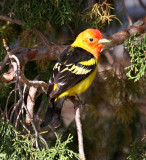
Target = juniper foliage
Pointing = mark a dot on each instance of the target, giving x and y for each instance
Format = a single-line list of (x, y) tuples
[(15, 146), (137, 51)]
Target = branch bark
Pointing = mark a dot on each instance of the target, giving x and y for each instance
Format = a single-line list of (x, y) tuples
[(79, 126), (52, 52), (80, 134), (30, 103), (16, 21), (127, 14)]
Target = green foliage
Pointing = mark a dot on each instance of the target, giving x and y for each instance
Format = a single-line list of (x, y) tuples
[(59, 13), (37, 13), (16, 146), (138, 150), (136, 49)]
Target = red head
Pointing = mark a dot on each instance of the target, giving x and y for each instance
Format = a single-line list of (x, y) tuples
[(90, 40)]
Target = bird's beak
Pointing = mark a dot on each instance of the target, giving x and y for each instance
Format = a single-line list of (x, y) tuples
[(103, 40)]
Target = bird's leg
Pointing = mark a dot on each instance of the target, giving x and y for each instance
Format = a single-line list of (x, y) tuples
[(77, 101), (80, 102)]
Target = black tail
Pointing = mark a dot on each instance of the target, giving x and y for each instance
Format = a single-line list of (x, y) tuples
[(53, 113)]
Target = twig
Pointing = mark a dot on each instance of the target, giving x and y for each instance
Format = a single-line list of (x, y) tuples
[(109, 57), (21, 95), (142, 4), (80, 134), (37, 84), (34, 128), (41, 36), (6, 107), (4, 18), (28, 33), (127, 14), (16, 66), (52, 52), (21, 109), (118, 38), (11, 11), (23, 125), (16, 105), (44, 141), (31, 102), (7, 84), (79, 127)]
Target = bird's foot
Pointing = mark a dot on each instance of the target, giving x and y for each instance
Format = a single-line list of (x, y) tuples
[(80, 102)]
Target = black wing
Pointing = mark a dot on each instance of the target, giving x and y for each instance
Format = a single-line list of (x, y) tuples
[(69, 71)]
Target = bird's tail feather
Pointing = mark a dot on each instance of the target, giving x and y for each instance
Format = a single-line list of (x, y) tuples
[(53, 113)]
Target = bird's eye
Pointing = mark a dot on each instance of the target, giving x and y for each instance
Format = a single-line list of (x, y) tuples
[(91, 39)]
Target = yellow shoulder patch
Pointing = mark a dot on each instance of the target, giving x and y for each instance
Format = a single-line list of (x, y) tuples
[(90, 62)]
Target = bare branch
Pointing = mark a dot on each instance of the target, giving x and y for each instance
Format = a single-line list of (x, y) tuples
[(16, 21), (142, 4), (80, 134), (7, 84), (36, 84), (39, 84), (22, 106), (120, 37), (127, 14), (6, 107), (41, 36), (16, 66), (23, 125), (79, 128), (31, 103), (28, 33), (52, 52)]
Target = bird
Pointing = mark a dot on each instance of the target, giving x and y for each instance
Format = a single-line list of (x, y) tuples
[(73, 73)]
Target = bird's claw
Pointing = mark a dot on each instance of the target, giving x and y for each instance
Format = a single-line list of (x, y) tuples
[(81, 103)]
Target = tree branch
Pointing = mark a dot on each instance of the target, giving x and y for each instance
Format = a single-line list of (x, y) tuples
[(127, 14), (31, 103), (142, 4), (52, 52), (16, 21), (28, 33), (80, 134), (118, 38), (79, 127), (41, 36)]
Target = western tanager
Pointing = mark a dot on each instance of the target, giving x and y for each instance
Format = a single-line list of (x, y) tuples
[(74, 72)]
